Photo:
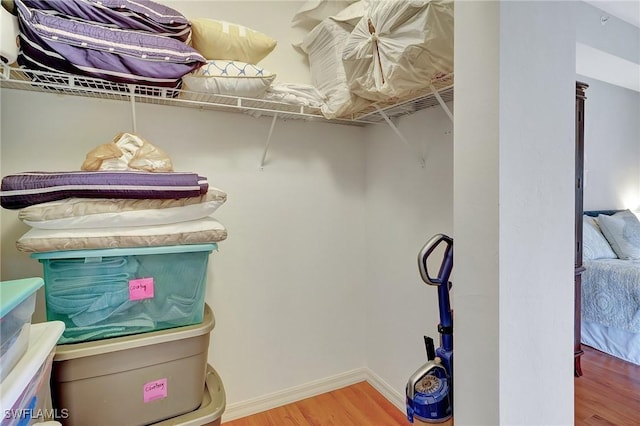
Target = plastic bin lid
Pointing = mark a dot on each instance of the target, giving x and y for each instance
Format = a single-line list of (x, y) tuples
[(14, 292), (128, 251), (42, 341), (114, 344)]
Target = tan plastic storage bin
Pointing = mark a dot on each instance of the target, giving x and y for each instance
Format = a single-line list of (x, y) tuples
[(210, 411), (132, 380)]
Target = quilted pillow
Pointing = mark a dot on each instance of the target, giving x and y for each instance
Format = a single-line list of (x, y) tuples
[(623, 233), (594, 244), (223, 40), (233, 78)]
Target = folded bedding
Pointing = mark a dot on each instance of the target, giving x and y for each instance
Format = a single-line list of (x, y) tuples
[(29, 188), (139, 15), (73, 213), (200, 231), (57, 43)]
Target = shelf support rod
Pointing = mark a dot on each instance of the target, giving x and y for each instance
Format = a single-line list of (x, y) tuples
[(441, 102), (401, 136), (266, 146), (132, 97)]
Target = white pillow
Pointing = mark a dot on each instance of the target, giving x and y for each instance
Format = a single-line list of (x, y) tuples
[(232, 78), (312, 12), (324, 46), (594, 244), (623, 233)]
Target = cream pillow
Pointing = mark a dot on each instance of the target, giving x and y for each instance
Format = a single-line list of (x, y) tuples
[(232, 78), (224, 40)]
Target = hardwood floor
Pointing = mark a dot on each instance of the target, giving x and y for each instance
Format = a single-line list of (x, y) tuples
[(607, 394), (355, 405)]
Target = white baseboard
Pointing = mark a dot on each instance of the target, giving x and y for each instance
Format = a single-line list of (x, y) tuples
[(307, 390), (296, 393), (393, 396)]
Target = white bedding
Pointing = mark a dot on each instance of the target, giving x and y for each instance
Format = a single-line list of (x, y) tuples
[(611, 293), (611, 307), (621, 344), (398, 48)]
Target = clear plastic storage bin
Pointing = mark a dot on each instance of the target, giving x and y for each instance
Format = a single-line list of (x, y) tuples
[(115, 292), (17, 304)]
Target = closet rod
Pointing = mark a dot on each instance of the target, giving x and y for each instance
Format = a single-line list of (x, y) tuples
[(266, 146), (401, 137), (132, 90), (441, 102)]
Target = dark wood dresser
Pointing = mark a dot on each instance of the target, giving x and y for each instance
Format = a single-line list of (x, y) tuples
[(579, 184)]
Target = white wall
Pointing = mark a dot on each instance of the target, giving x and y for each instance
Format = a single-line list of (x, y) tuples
[(287, 285), (513, 213), (612, 147), (616, 36), (406, 204)]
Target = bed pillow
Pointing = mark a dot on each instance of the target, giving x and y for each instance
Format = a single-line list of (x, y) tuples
[(594, 244), (622, 230), (223, 40), (312, 12), (324, 46), (201, 231), (233, 78)]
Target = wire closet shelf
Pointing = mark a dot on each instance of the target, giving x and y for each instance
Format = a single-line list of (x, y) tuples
[(434, 93)]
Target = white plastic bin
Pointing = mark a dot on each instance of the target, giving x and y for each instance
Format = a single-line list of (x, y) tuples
[(17, 304), (25, 392)]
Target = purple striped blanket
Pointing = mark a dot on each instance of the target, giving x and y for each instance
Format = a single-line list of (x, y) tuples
[(29, 188)]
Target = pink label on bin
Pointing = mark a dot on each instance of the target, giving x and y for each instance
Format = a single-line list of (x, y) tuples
[(141, 288), (155, 390)]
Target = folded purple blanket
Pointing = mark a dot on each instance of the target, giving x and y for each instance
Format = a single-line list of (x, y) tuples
[(25, 189)]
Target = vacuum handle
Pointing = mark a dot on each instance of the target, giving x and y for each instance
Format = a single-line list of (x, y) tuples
[(447, 263), (428, 368)]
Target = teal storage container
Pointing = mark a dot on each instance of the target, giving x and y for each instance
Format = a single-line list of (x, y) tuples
[(106, 293), (17, 304)]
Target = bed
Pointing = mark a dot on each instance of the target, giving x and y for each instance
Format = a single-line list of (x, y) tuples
[(611, 285)]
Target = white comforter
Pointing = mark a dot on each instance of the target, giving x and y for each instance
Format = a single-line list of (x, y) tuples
[(611, 293)]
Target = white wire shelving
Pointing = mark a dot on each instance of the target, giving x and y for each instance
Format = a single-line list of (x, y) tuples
[(74, 85), (439, 91)]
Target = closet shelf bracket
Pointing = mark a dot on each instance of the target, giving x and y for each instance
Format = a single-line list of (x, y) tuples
[(266, 145), (441, 102), (401, 137), (132, 99)]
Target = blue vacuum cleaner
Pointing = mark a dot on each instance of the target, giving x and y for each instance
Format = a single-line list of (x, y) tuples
[(430, 388)]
